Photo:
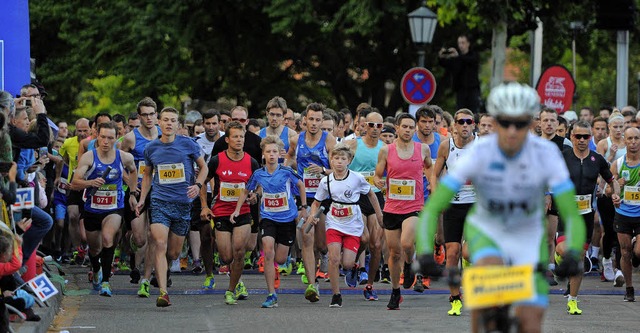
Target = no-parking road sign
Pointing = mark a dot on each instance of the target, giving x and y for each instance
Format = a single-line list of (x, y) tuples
[(418, 86)]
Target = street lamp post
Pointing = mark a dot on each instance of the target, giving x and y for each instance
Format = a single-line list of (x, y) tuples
[(422, 23)]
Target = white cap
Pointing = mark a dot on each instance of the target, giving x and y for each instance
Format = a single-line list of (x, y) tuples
[(570, 116)]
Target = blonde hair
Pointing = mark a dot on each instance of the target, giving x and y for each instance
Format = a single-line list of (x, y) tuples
[(342, 149), (269, 140)]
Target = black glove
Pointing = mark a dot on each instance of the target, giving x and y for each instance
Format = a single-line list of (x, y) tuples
[(428, 266), (569, 266)]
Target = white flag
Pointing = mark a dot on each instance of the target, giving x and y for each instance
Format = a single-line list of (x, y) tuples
[(42, 287)]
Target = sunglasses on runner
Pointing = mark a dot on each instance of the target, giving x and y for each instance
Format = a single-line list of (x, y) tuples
[(582, 136), (376, 125), (242, 120), (519, 124), (464, 121)]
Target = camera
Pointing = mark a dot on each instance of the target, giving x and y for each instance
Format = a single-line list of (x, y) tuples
[(26, 103)]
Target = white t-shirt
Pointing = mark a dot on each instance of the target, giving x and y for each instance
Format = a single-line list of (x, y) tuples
[(205, 145), (510, 190), (344, 213)]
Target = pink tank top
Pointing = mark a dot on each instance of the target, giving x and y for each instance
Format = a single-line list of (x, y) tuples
[(405, 190)]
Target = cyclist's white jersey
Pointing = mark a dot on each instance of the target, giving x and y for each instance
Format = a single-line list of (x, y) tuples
[(510, 191)]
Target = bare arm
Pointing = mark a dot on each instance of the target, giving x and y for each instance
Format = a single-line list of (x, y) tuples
[(291, 154), (79, 183), (381, 167), (443, 151)]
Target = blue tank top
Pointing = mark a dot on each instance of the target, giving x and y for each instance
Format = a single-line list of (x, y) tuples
[(306, 155), (110, 196), (141, 143), (433, 148), (277, 203), (284, 136), (92, 145), (365, 161)]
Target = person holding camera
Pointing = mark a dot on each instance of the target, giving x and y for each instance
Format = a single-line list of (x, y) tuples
[(463, 64)]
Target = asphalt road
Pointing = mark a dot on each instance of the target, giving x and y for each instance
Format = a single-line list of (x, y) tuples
[(196, 311)]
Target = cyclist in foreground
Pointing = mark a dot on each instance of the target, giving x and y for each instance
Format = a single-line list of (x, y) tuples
[(511, 171)]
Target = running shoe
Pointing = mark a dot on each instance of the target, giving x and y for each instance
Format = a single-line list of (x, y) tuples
[(572, 307), (304, 279), (276, 283), (619, 279), (456, 305), (96, 280), (351, 278), (105, 289), (223, 269), (229, 298), (271, 302), (311, 294), (385, 275), (163, 300), (629, 295), (438, 254), (607, 269), (175, 266), (261, 264), (123, 267), (209, 282), (286, 268), (184, 263), (300, 268), (336, 301), (395, 300), (197, 267), (409, 276), (369, 293), (364, 276), (144, 289), (417, 285), (248, 264), (241, 291), (595, 264)]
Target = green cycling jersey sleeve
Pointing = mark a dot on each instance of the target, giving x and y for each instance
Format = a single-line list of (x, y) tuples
[(428, 218), (575, 229)]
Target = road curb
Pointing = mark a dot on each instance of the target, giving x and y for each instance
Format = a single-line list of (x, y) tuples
[(47, 314)]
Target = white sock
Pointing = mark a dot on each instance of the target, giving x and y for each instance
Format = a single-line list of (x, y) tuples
[(595, 251), (571, 298)]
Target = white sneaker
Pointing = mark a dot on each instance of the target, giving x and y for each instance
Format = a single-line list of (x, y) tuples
[(175, 266), (607, 269), (619, 280)]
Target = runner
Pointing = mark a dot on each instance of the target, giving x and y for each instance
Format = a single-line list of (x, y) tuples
[(275, 110), (510, 172), (613, 148), (584, 168), (364, 162), (406, 163), (485, 124), (626, 169), (200, 226), (344, 219), (228, 173), (310, 151), (169, 164), (135, 142), (69, 153), (105, 201), (449, 153), (277, 211)]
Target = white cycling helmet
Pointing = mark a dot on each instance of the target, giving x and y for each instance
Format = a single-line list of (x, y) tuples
[(513, 100)]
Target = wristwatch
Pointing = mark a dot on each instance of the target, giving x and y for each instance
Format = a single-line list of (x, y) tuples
[(199, 185), (303, 207)]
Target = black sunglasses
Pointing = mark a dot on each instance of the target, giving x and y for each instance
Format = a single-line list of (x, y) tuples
[(519, 124), (376, 125), (464, 121), (582, 136)]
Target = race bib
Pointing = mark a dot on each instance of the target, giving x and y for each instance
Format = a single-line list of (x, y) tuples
[(64, 186), (171, 173), (584, 204), (342, 213), (487, 286), (402, 189), (632, 195), (105, 198), (230, 192), (275, 202), (311, 180), (141, 167), (368, 176)]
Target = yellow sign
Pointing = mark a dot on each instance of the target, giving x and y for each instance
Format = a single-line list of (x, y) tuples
[(487, 286)]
